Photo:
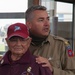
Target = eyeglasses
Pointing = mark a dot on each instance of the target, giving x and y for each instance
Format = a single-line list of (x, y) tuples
[(15, 40)]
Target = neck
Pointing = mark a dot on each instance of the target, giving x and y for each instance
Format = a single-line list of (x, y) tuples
[(37, 40), (15, 57)]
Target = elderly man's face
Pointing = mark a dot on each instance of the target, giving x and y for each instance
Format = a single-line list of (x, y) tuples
[(18, 45)]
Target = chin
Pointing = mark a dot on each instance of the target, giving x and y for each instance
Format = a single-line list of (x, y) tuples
[(45, 34), (19, 53)]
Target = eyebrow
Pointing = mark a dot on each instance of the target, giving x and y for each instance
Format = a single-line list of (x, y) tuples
[(43, 17)]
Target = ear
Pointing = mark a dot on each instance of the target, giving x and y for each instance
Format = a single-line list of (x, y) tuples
[(29, 42), (30, 39), (28, 24)]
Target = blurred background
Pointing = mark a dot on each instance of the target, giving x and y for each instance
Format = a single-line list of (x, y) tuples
[(62, 17)]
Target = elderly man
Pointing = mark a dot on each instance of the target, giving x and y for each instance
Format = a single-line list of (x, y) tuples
[(18, 60)]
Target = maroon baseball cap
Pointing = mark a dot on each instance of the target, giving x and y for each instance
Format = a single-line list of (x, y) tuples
[(17, 29)]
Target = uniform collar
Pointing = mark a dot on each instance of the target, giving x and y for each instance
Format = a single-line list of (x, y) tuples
[(49, 38)]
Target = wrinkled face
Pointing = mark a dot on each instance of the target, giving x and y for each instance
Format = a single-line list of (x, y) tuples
[(18, 45), (39, 24)]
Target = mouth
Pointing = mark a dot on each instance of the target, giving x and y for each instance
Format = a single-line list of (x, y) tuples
[(18, 49), (46, 29)]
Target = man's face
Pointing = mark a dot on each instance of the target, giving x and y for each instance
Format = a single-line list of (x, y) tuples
[(39, 25), (18, 45)]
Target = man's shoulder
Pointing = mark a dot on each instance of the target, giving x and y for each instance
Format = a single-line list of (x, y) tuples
[(58, 38)]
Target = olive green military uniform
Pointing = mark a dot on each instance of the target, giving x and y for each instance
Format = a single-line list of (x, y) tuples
[(57, 50)]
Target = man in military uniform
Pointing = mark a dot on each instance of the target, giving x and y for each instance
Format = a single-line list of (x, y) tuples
[(53, 51)]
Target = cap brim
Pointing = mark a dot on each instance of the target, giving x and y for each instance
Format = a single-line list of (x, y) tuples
[(18, 34)]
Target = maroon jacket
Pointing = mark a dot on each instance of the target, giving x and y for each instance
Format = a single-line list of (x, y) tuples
[(19, 67)]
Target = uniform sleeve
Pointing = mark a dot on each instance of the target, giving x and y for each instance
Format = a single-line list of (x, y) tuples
[(67, 61)]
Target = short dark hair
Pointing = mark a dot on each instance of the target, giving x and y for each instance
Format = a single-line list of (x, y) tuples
[(30, 10)]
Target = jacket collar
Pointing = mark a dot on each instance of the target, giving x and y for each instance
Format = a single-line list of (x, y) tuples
[(26, 58)]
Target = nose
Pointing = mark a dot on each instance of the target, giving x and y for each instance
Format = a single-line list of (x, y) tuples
[(18, 42), (47, 23)]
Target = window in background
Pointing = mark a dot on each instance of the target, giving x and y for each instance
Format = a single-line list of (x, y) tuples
[(11, 11), (65, 26), (65, 9), (60, 17)]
